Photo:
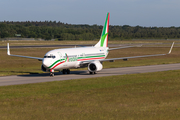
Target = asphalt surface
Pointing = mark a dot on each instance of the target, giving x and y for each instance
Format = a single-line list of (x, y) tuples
[(37, 78)]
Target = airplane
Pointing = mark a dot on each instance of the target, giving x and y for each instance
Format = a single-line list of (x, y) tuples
[(80, 57)]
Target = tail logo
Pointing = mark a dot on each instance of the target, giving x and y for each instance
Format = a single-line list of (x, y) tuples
[(103, 39), (103, 42)]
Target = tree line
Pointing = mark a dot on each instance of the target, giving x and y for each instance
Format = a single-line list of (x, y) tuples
[(57, 30)]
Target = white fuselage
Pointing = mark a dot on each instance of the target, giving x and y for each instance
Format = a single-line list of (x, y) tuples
[(59, 59)]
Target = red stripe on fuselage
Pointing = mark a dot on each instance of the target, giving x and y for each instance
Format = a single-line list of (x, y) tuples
[(78, 60), (58, 64)]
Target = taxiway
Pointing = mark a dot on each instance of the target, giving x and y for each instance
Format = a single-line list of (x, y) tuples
[(37, 78)]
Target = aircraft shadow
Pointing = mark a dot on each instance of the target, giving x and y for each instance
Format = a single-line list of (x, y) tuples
[(55, 73), (84, 72)]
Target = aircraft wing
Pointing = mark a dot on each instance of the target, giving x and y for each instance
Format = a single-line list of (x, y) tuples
[(126, 58), (8, 53)]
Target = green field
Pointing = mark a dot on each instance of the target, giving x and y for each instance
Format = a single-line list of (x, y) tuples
[(152, 96), (16, 66)]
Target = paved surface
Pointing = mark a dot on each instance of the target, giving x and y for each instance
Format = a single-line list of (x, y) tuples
[(37, 78)]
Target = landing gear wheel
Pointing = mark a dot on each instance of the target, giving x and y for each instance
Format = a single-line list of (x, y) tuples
[(51, 74), (64, 71), (92, 73), (68, 71)]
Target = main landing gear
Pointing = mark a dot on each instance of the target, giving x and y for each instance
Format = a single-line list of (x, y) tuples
[(92, 73), (64, 71)]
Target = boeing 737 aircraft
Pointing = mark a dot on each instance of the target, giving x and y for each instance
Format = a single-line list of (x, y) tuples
[(91, 57)]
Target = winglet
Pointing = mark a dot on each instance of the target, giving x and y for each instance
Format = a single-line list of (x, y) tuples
[(8, 51), (171, 48)]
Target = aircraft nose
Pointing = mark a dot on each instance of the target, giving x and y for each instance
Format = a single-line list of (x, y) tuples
[(45, 63)]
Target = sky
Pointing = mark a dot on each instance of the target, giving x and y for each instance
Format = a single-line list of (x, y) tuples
[(146, 13)]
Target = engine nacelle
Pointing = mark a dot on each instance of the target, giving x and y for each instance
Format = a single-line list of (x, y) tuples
[(44, 69), (95, 66)]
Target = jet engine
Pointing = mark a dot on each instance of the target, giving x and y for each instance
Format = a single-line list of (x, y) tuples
[(95, 66)]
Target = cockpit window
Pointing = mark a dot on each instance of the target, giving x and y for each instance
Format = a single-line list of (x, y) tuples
[(51, 56)]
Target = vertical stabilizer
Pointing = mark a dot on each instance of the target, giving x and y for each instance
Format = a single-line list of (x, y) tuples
[(103, 42)]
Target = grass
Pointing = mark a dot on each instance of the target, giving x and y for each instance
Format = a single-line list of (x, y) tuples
[(130, 97), (153, 96)]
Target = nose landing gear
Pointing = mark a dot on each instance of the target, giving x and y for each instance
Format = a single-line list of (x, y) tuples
[(51, 73)]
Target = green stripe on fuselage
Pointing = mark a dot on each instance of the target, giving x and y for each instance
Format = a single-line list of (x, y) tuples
[(86, 57), (91, 57), (56, 62)]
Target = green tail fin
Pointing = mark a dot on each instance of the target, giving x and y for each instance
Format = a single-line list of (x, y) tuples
[(103, 42)]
